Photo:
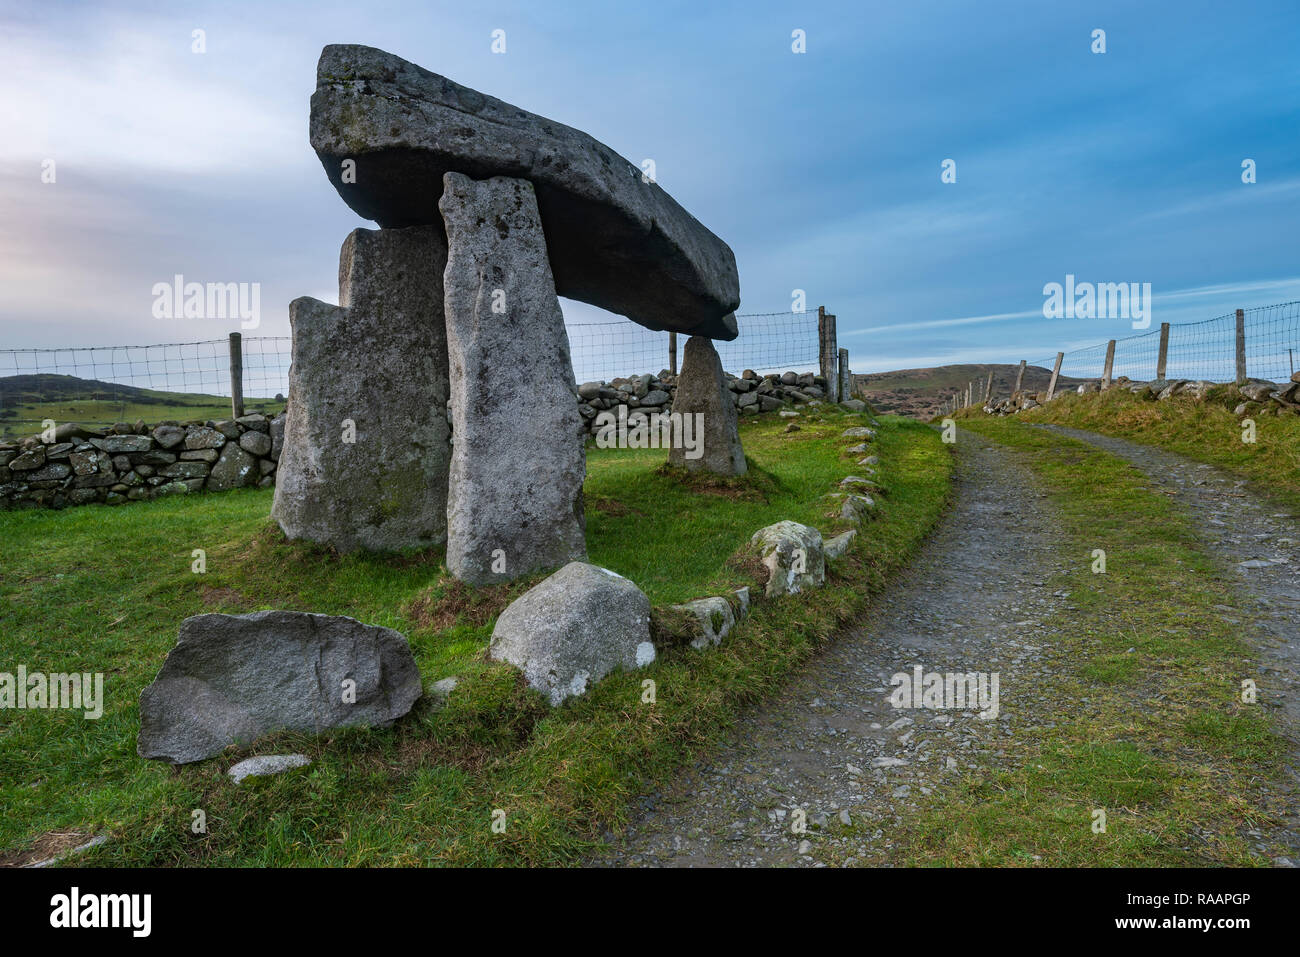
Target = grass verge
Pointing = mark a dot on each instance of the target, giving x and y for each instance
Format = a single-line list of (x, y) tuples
[(1206, 430), (1145, 720), (102, 589)]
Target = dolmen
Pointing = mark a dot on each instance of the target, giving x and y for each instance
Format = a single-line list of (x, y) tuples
[(414, 404)]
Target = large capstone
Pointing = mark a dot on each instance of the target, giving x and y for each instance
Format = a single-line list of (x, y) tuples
[(702, 392), (232, 679), (572, 629), (514, 502), (365, 452), (387, 130)]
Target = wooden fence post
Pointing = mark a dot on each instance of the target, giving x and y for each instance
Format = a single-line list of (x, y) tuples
[(1020, 377), (1162, 361), (236, 375), (1241, 346), (988, 390), (1056, 371), (827, 352), (1110, 365), (672, 353)]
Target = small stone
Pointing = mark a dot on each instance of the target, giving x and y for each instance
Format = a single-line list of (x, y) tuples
[(265, 766)]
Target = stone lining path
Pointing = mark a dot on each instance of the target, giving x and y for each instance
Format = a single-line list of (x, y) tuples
[(829, 743), (974, 598)]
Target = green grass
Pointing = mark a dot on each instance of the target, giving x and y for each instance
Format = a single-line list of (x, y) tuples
[(1149, 725), (1204, 430), (104, 589)]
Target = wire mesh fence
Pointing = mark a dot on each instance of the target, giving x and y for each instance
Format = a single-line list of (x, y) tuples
[(102, 385), (768, 342), (1205, 350), (191, 380)]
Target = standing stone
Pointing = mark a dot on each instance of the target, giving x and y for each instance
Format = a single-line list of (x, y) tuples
[(514, 501), (702, 388), (373, 370)]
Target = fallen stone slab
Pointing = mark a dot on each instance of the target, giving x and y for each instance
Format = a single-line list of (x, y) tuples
[(514, 501), (574, 628), (616, 240), (365, 452), (231, 679), (794, 557), (266, 765), (702, 391), (859, 432)]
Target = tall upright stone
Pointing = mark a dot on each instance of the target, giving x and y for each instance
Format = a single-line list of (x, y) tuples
[(702, 388), (366, 453), (514, 502)]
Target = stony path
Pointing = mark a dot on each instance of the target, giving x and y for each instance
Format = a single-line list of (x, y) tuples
[(830, 747), (1260, 543)]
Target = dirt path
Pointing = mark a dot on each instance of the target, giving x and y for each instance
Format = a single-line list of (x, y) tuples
[(1259, 543), (830, 745)]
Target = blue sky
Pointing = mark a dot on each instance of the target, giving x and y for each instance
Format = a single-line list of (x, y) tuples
[(822, 170)]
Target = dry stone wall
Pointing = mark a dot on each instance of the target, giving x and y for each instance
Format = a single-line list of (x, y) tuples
[(130, 463)]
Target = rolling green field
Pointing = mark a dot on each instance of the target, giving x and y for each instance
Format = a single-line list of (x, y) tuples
[(27, 401), (101, 589)]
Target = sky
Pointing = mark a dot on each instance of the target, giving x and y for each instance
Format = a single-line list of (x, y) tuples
[(822, 169)]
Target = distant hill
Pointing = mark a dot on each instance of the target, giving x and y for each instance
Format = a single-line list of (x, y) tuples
[(920, 393), (27, 400), (41, 387)]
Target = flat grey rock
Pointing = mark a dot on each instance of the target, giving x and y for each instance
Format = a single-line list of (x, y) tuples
[(574, 628), (266, 765), (615, 241), (514, 498), (379, 362), (837, 546), (232, 679)]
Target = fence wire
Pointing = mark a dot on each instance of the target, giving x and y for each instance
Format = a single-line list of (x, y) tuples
[(1205, 350), (102, 385), (768, 342)]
